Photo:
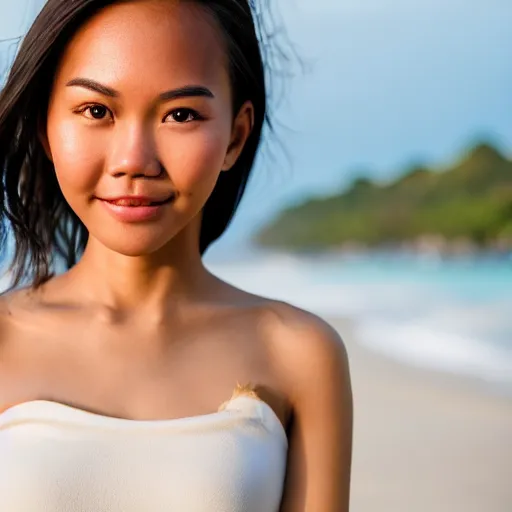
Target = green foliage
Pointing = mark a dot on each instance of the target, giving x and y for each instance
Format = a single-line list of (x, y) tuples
[(472, 200)]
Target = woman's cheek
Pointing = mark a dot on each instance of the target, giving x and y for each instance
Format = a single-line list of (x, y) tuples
[(77, 156), (196, 161)]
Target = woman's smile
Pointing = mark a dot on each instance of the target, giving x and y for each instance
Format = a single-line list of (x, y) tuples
[(136, 208)]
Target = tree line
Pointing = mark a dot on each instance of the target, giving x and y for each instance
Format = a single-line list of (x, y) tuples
[(470, 201)]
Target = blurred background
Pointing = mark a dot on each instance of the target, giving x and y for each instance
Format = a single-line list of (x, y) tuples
[(383, 203)]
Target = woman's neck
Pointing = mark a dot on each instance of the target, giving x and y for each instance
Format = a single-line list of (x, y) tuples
[(152, 282)]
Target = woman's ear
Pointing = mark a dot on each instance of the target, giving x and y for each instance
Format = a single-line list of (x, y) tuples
[(242, 128)]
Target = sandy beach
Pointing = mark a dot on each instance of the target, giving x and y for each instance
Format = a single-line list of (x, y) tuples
[(425, 442)]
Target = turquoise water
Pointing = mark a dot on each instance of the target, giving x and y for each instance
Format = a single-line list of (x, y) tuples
[(420, 288), (454, 316)]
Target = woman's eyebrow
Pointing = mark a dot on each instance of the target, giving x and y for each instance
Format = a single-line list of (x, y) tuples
[(187, 91), (92, 85), (181, 92)]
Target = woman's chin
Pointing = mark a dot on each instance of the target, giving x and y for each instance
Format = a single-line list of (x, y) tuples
[(134, 245)]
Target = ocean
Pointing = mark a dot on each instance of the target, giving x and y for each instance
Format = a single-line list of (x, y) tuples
[(451, 316)]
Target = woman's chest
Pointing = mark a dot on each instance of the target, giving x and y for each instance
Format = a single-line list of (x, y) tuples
[(59, 459), (133, 374)]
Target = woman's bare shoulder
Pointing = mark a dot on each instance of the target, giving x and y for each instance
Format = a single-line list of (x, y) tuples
[(12, 303), (6, 319), (7, 300), (305, 346), (293, 326), (289, 329), (301, 344)]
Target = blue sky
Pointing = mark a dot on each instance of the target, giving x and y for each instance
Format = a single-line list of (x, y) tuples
[(389, 83)]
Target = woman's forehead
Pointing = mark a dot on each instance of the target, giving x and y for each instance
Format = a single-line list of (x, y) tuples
[(152, 42)]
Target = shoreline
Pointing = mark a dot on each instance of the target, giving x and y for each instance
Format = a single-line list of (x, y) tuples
[(433, 375), (425, 441)]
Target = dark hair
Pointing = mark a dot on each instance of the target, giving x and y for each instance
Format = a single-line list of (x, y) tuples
[(43, 224)]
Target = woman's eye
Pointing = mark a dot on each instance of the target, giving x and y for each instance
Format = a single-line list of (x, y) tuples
[(96, 112), (183, 115)]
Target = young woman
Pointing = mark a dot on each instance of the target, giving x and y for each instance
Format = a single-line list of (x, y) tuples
[(128, 130)]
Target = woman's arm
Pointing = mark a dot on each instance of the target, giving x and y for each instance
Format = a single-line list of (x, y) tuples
[(320, 450)]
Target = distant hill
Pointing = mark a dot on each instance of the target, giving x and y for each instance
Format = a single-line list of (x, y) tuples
[(469, 204)]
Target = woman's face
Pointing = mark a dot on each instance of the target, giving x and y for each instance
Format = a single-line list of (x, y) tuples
[(140, 122)]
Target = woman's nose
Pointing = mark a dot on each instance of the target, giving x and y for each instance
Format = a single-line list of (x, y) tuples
[(133, 154)]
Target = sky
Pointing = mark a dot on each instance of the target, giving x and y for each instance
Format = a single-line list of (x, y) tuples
[(386, 84)]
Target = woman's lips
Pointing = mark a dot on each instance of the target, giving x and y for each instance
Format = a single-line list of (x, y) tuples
[(131, 202), (128, 209)]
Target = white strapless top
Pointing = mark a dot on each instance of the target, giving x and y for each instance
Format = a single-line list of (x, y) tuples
[(56, 458)]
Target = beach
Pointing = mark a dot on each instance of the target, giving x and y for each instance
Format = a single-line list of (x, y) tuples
[(425, 441)]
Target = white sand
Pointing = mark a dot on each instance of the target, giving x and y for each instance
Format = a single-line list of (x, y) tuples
[(424, 442)]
